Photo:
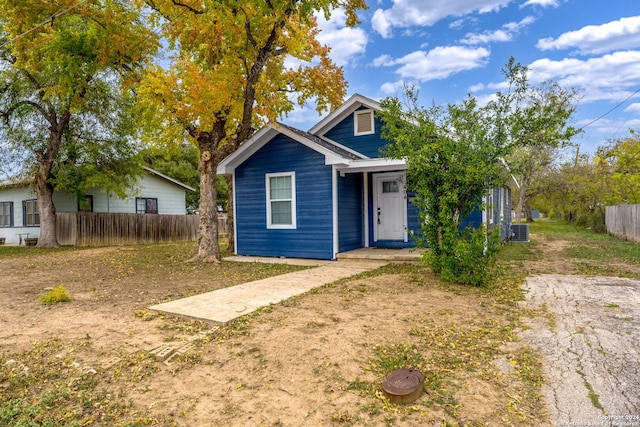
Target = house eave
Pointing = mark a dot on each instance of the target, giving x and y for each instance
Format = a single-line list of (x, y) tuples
[(373, 165), (168, 178), (264, 136)]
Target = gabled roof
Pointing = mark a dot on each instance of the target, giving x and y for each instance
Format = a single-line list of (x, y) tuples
[(339, 114), (168, 178), (25, 180), (335, 154)]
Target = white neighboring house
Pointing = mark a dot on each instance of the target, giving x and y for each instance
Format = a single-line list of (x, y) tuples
[(154, 193)]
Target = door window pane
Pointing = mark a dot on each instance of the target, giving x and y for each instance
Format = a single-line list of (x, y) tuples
[(390, 187)]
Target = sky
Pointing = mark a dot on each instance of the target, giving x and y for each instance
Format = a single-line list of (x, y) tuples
[(451, 48)]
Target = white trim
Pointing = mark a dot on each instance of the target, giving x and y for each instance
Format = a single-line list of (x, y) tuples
[(356, 121), (168, 178), (235, 214), (334, 198), (342, 112), (489, 207), (382, 164), (365, 186), (268, 177), (484, 210), (264, 136)]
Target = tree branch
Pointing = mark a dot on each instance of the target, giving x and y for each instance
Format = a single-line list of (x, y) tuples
[(188, 7)]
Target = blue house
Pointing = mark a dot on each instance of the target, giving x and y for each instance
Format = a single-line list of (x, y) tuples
[(319, 193)]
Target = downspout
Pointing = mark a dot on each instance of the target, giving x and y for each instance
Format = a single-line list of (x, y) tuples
[(334, 197), (235, 214)]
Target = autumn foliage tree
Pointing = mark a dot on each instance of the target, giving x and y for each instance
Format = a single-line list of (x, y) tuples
[(229, 75), (63, 111)]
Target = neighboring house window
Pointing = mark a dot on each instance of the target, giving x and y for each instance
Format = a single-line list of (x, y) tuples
[(363, 122), (6, 214), (281, 200), (85, 204), (30, 213), (146, 205), (490, 207)]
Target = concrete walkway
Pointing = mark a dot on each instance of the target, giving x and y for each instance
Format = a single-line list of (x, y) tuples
[(223, 305)]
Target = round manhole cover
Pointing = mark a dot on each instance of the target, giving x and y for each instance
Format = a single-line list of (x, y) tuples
[(403, 385)]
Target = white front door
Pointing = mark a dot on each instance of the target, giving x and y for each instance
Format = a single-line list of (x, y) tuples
[(389, 207)]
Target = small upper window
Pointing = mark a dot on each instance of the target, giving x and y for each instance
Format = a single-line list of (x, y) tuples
[(146, 205), (363, 122)]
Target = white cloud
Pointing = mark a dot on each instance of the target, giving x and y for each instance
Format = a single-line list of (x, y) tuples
[(543, 3), (476, 88), (345, 42), (458, 23), (410, 13), (596, 39), (633, 108), (383, 60), (438, 63), (609, 77), (393, 88), (504, 34)]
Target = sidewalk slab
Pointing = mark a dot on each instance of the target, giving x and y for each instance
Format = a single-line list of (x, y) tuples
[(224, 305)]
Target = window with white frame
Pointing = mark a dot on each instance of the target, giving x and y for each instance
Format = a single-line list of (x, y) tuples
[(281, 200), (6, 214), (31, 215), (489, 207), (363, 122)]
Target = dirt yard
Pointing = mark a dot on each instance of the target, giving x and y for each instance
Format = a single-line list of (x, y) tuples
[(316, 360)]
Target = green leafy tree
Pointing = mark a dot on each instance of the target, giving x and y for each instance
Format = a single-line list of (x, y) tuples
[(538, 125), (621, 158), (228, 76), (65, 116), (579, 190), (453, 159)]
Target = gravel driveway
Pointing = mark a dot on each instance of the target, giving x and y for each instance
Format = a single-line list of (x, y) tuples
[(590, 341)]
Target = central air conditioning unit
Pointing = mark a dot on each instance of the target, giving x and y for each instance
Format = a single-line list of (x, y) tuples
[(519, 232)]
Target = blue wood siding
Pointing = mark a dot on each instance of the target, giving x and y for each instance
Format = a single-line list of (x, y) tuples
[(474, 219), (501, 218), (369, 145), (313, 237), (350, 212), (413, 217)]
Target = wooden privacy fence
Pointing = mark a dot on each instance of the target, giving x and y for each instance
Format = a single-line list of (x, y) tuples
[(624, 221), (105, 229)]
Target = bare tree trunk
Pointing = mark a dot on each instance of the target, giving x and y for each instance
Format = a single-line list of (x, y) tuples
[(230, 217), (527, 213), (44, 190), (208, 246), (47, 212), (522, 200)]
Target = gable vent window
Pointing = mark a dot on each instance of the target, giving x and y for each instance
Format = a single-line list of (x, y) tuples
[(363, 121)]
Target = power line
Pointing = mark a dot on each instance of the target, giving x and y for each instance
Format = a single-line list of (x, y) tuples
[(51, 19), (611, 110)]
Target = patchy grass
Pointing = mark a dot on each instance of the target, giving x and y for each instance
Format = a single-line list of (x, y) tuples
[(55, 295), (476, 371)]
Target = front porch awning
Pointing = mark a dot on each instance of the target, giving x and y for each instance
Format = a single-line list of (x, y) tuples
[(372, 165)]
